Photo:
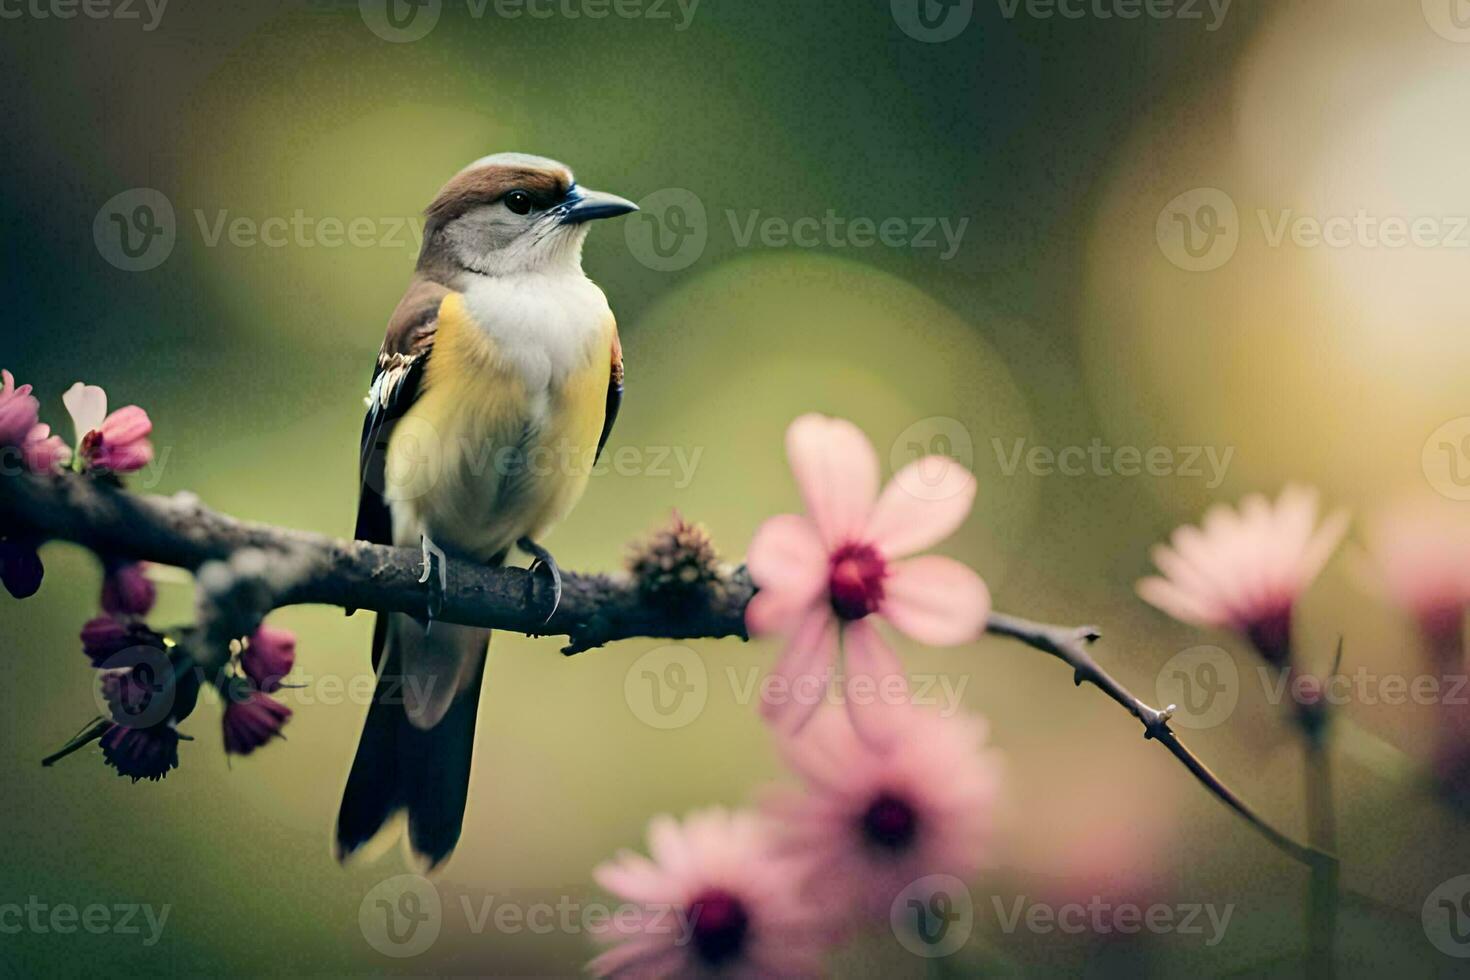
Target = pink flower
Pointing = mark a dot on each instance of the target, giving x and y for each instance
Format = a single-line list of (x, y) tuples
[(1245, 570), (268, 657), (823, 576), (127, 590), (872, 822), (1421, 559), (43, 452), (116, 442), (252, 721), (141, 753), (715, 900), (21, 429), (19, 411), (104, 637)]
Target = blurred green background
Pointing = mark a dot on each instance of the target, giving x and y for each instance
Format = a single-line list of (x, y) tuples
[(1061, 317)]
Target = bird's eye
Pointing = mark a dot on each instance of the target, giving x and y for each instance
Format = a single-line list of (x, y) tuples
[(519, 202)]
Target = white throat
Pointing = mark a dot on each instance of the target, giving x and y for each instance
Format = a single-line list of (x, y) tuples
[(545, 323)]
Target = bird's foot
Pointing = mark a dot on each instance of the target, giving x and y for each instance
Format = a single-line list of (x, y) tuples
[(436, 576), (542, 562)]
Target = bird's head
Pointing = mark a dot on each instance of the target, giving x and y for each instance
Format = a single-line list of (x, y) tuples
[(511, 213)]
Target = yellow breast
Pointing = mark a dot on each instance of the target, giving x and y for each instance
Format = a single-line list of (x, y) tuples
[(482, 458)]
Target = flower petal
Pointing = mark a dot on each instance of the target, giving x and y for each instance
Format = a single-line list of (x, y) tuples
[(804, 671), (921, 506), (876, 686), (773, 612), (1194, 608), (935, 600), (786, 555), (42, 452), (88, 407), (837, 471), (128, 424)]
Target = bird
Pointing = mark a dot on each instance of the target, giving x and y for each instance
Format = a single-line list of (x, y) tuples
[(494, 392)]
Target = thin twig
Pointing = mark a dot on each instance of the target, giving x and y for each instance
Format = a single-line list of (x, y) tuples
[(1070, 646)]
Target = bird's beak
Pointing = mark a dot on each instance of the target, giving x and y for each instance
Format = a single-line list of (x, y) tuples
[(584, 205)]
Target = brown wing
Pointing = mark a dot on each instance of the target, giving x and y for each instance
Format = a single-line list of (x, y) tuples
[(614, 393), (395, 386)]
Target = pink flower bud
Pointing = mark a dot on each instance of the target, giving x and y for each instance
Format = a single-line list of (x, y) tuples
[(121, 443), (127, 591), (269, 657), (104, 637), (253, 721), (19, 411), (43, 452)]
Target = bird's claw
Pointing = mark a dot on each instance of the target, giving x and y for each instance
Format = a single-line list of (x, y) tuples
[(435, 575), (543, 562)]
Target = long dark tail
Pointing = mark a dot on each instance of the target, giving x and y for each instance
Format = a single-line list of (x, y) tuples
[(403, 767)]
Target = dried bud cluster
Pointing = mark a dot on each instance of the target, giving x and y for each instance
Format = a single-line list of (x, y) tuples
[(677, 564)]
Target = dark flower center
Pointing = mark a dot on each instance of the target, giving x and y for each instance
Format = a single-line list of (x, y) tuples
[(1271, 636), (890, 823), (720, 926), (856, 580)]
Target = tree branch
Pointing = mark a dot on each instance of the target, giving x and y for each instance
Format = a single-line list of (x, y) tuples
[(243, 566), (180, 531)]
